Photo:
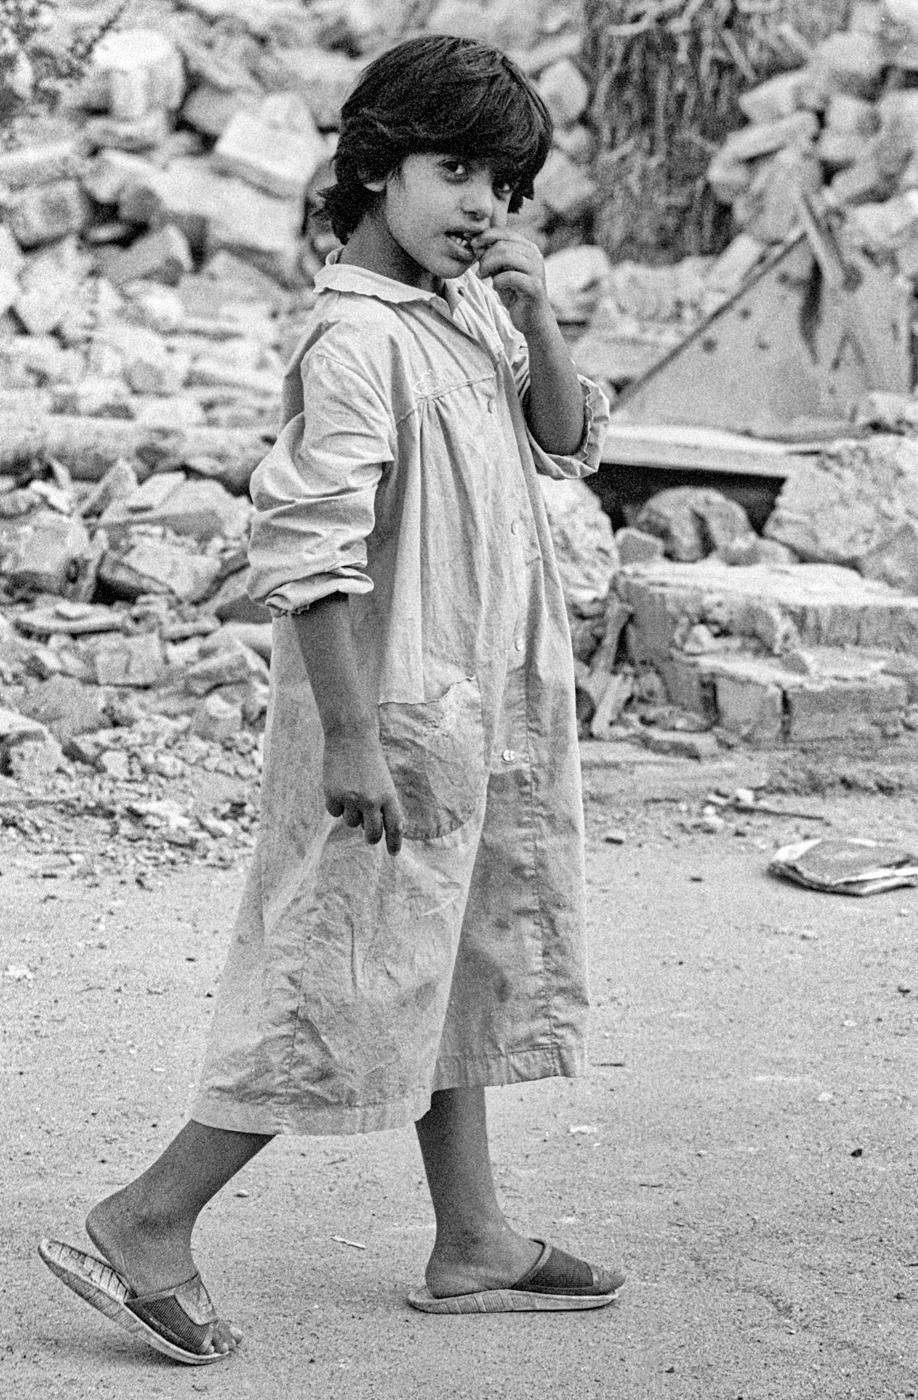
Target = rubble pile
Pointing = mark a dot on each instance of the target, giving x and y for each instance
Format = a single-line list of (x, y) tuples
[(843, 127)]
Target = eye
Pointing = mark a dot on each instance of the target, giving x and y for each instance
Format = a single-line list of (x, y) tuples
[(455, 167), (503, 190)]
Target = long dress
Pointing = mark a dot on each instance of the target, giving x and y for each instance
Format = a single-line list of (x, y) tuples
[(357, 983)]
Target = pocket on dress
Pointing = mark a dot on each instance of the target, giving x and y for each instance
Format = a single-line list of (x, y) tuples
[(435, 753)]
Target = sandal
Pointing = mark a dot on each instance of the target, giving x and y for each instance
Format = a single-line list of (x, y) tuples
[(557, 1282), (177, 1321)]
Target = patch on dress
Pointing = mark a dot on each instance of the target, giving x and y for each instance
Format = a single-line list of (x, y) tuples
[(436, 755)]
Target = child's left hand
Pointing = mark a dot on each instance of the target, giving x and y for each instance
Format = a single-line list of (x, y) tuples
[(517, 272)]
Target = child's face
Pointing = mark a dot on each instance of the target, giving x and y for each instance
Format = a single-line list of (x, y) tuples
[(431, 211)]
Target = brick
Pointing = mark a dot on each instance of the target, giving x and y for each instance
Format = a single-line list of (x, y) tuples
[(41, 164), (764, 138), (835, 708), (43, 213), (142, 71), (675, 743), (688, 687), (279, 161), (163, 255)]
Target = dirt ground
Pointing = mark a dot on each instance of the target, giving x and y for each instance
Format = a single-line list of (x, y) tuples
[(744, 1140)]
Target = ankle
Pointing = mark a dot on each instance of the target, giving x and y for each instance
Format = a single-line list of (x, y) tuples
[(140, 1212)]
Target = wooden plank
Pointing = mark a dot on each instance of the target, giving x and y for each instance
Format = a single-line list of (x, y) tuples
[(701, 449)]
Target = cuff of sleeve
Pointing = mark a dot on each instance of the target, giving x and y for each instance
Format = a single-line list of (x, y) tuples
[(298, 595), (585, 460)]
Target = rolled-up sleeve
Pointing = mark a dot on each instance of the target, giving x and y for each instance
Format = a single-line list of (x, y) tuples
[(315, 491)]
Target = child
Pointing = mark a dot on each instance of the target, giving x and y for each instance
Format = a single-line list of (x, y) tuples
[(422, 690)]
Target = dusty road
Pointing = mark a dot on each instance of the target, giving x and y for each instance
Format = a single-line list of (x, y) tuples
[(744, 1141)]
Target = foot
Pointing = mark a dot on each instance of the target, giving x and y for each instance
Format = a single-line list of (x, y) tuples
[(149, 1257), (493, 1260)]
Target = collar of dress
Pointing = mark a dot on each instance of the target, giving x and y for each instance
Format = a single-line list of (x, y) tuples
[(336, 276)]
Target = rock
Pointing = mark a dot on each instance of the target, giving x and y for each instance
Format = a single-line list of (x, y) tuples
[(216, 719), (49, 285), (163, 255), (763, 139), (321, 77), (122, 661), (231, 602), (576, 278), (40, 164), (48, 552), (140, 71), (28, 751), (563, 187), (692, 521), (157, 566), (583, 539), (774, 99), (565, 92), (271, 157), (41, 213), (197, 508), (637, 546), (67, 706)]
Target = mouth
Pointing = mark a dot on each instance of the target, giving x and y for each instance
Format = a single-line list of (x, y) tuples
[(463, 242)]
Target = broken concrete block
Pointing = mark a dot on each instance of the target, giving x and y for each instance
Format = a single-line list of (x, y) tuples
[(134, 661), (676, 743), (210, 109), (41, 213), (149, 365), (116, 176), (163, 255), (835, 708), (321, 77), (216, 719), (231, 602), (774, 99), (583, 539), (565, 92), (28, 751), (225, 667), (157, 566), (108, 398), (47, 552), (117, 483), (576, 278), (66, 706), (613, 700), (200, 509), (281, 162), (765, 138), (142, 71), (769, 209), (147, 133), (49, 285), (563, 187), (749, 702), (692, 521), (727, 178), (883, 227), (39, 164), (169, 411), (847, 62), (637, 546)]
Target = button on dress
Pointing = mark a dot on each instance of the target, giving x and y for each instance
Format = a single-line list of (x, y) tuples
[(357, 983)]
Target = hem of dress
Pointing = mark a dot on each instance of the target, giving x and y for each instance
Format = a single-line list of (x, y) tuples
[(213, 1110)]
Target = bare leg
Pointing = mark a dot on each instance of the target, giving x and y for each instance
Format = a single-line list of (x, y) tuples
[(145, 1229), (475, 1246)]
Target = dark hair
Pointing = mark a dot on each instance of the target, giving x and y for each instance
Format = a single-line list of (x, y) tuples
[(436, 93)]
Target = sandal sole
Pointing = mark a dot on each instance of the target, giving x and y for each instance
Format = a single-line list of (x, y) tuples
[(102, 1288)]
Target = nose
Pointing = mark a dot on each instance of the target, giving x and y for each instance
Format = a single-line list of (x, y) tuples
[(478, 199)]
